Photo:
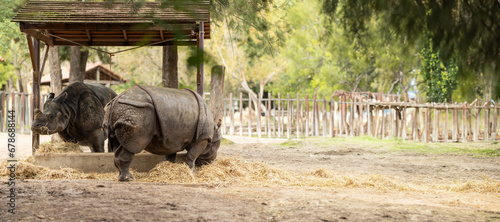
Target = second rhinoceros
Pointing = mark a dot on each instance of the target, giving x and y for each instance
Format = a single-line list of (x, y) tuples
[(76, 114), (161, 121)]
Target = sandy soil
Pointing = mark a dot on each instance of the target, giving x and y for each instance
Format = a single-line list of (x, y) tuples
[(91, 200)]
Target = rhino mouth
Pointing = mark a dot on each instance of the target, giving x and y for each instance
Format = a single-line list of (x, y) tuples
[(43, 130)]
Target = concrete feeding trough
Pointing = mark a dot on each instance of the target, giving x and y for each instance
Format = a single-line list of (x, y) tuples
[(99, 162)]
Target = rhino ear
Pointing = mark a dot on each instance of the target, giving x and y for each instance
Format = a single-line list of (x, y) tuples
[(61, 97), (51, 95)]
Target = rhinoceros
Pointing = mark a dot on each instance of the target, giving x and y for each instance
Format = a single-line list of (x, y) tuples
[(162, 121), (76, 114)]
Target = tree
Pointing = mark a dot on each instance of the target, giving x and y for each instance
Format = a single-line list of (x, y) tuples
[(78, 63), (470, 29), (439, 79), (169, 67)]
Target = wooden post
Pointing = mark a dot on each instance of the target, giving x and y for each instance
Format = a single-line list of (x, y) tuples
[(324, 116), (486, 121), (307, 115), (279, 115), (476, 123), (464, 119), (241, 114), (216, 103), (269, 115), (288, 116), (368, 118), (435, 127), (249, 115), (34, 49), (200, 46), (403, 121), (454, 128), (332, 117), (314, 115), (298, 116), (351, 119), (445, 134), (258, 115), (231, 127)]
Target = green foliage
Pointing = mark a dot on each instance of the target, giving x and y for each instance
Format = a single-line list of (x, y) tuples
[(467, 29), (6, 71), (440, 79)]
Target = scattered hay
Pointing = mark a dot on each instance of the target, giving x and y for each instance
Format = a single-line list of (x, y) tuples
[(234, 170), (59, 147)]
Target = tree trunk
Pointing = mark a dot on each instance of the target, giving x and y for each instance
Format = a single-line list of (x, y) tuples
[(84, 55), (55, 70), (216, 103), (169, 67), (55, 79), (75, 73), (20, 87)]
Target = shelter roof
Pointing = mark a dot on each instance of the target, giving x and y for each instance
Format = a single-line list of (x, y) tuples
[(114, 24)]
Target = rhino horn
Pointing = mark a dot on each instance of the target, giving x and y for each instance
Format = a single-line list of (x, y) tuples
[(61, 97)]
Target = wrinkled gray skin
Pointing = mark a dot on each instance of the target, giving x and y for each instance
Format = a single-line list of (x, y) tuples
[(76, 114), (161, 121)]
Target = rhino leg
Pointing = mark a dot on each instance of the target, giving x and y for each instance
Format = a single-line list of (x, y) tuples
[(170, 158), (123, 159), (195, 151), (97, 141)]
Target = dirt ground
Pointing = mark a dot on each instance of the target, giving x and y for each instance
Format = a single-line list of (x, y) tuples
[(92, 200)]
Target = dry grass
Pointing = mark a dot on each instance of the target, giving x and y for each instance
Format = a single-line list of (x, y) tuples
[(59, 147), (236, 171)]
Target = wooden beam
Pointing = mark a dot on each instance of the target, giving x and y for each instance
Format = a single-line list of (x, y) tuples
[(199, 79), (88, 35), (38, 35), (107, 27), (161, 35), (125, 35), (34, 48)]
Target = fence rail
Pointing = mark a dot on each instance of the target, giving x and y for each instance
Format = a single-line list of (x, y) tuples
[(344, 115)]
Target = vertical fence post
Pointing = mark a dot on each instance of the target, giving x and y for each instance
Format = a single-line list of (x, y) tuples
[(464, 119), (332, 117), (279, 115), (314, 115), (288, 116), (249, 115), (258, 115), (269, 117), (368, 118), (298, 116), (351, 119), (486, 121), (445, 134), (495, 122), (241, 114), (324, 116), (476, 123), (403, 121), (307, 115), (435, 127)]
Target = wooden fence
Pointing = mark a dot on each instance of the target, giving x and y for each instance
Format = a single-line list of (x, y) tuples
[(344, 114), (21, 104), (347, 115)]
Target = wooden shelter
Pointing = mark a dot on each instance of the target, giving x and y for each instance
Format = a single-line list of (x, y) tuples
[(91, 24)]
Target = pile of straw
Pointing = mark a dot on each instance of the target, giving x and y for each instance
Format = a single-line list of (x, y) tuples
[(228, 170), (59, 147)]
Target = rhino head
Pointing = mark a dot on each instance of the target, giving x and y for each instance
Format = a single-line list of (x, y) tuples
[(52, 119)]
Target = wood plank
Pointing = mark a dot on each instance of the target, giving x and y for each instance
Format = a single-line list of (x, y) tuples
[(307, 115), (279, 116), (241, 114), (249, 115), (231, 108)]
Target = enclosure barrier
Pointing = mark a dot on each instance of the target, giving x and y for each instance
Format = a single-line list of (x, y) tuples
[(342, 114), (20, 103), (356, 114)]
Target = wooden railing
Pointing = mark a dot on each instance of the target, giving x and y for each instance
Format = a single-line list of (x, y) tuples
[(20, 103), (356, 115)]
